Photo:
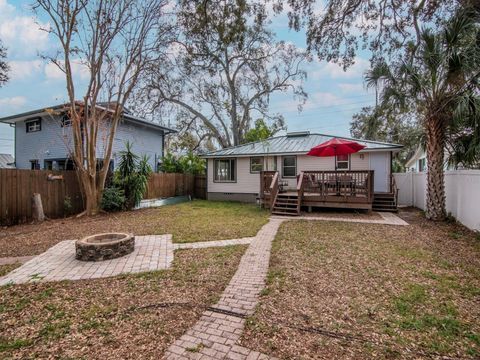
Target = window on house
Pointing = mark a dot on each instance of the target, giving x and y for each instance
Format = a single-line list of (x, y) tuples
[(256, 164), (289, 166), (34, 125), (422, 164), (224, 170), (343, 162), (66, 121), (34, 164)]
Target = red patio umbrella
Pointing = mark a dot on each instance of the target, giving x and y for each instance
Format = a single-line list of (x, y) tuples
[(334, 147)]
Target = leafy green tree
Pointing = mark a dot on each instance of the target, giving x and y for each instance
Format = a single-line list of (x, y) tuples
[(261, 131), (185, 164), (442, 78)]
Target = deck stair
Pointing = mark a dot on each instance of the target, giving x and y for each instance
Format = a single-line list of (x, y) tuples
[(286, 204), (384, 202)]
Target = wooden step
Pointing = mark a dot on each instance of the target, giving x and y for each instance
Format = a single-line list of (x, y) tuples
[(289, 213)]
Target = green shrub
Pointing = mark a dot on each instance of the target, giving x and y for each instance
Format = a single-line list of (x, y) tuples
[(113, 199), (132, 176), (184, 164)]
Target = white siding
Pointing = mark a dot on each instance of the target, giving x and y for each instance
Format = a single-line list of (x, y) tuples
[(250, 183), (246, 182)]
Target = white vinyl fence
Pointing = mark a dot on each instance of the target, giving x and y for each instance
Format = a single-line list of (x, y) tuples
[(462, 189)]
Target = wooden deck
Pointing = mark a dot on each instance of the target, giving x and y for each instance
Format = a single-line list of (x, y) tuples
[(333, 189)]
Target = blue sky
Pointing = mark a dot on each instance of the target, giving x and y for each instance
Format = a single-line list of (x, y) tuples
[(333, 95)]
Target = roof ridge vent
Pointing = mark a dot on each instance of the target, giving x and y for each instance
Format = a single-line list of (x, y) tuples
[(298, 133)]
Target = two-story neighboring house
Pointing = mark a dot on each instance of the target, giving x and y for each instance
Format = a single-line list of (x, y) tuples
[(43, 139)]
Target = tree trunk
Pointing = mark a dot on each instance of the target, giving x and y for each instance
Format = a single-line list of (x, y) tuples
[(37, 208), (435, 207), (90, 191)]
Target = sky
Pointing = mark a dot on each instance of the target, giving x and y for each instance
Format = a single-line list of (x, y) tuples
[(333, 95)]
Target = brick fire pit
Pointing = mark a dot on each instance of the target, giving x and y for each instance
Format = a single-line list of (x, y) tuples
[(104, 246)]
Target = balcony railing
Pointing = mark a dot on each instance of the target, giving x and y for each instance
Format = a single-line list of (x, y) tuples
[(358, 184)]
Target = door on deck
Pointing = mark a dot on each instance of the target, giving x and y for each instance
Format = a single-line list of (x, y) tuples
[(380, 164)]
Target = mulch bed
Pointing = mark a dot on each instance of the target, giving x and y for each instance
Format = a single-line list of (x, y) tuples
[(362, 291), (124, 317), (188, 222)]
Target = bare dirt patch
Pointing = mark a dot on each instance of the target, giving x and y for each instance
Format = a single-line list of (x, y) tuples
[(125, 317), (188, 222), (361, 291)]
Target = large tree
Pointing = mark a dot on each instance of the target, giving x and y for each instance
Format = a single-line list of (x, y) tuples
[(443, 78), (338, 29), (114, 41), (225, 66), (4, 68)]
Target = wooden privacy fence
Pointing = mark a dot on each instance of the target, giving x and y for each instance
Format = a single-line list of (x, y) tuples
[(59, 189), (200, 190), (60, 192)]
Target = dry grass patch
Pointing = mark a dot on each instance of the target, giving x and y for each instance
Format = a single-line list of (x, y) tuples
[(125, 317), (5, 269), (362, 291), (188, 222), (343, 214)]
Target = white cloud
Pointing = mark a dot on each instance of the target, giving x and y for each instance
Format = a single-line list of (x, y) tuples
[(21, 34), (351, 88), (9, 104), (322, 99), (331, 70), (80, 71), (25, 69)]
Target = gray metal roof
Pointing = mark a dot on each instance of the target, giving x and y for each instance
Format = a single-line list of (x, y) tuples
[(294, 143), (126, 116), (6, 161)]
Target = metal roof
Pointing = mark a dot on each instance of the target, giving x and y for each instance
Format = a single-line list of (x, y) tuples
[(294, 143), (7, 161), (126, 116)]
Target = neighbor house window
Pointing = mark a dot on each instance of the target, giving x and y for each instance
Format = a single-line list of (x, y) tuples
[(66, 121), (224, 170), (256, 164), (289, 166), (422, 164), (34, 164), (34, 125), (343, 162)]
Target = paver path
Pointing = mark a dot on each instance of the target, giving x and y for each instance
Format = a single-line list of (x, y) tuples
[(215, 335), (15, 260), (152, 252)]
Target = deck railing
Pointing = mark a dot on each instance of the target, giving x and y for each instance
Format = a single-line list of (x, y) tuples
[(338, 183), (269, 188)]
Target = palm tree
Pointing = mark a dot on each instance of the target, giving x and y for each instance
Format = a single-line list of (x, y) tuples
[(441, 79)]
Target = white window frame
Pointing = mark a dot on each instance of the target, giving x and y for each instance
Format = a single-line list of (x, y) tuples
[(33, 125), (261, 165), (347, 162), (232, 170), (289, 166)]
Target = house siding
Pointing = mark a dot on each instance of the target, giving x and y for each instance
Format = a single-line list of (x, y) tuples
[(247, 183), (53, 142)]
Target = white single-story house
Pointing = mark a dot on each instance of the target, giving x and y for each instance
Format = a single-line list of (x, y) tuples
[(235, 173), (418, 161)]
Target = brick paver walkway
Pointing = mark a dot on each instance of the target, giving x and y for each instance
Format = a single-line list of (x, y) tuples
[(215, 335), (15, 260), (387, 219), (151, 252)]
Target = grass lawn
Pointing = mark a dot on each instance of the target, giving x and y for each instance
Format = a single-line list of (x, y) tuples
[(198, 220), (362, 291), (124, 317)]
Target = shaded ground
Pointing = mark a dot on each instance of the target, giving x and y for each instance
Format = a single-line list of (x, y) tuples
[(361, 291), (188, 222), (125, 317)]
